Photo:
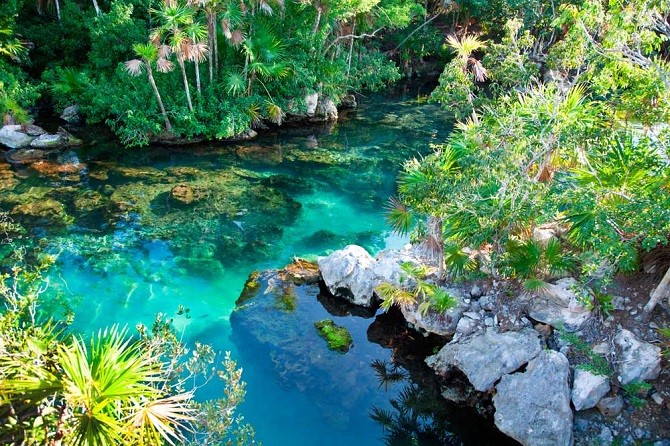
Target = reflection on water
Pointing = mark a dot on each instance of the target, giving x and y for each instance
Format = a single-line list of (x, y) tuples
[(177, 230)]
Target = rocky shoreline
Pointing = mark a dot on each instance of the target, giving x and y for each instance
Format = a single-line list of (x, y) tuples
[(544, 367)]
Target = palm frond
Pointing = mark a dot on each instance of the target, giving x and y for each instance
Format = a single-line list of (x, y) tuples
[(398, 215)]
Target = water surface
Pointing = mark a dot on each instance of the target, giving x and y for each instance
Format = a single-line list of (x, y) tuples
[(127, 249)]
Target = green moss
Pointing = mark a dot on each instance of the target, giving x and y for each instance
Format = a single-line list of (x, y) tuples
[(338, 338), (250, 288), (287, 300)]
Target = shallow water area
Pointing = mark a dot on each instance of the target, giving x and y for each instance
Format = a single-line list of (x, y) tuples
[(178, 230)]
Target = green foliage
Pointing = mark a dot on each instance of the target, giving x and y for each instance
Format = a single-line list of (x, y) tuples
[(110, 389), (636, 392), (593, 362)]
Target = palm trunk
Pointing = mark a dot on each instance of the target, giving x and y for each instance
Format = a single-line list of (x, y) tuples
[(180, 60), (97, 8), (215, 40), (661, 291), (168, 126), (436, 243), (197, 76), (211, 29)]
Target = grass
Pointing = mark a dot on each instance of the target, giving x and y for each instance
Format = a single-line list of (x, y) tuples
[(338, 338)]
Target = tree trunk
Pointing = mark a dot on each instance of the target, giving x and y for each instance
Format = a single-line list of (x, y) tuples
[(180, 60), (97, 8), (435, 244), (351, 49), (317, 21), (197, 76), (215, 39), (168, 126), (660, 292), (57, 2), (211, 29)]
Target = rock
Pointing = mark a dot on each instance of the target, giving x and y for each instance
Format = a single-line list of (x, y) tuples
[(245, 135), (300, 272), (543, 234), (558, 305), (533, 407), (71, 114), (638, 360), (348, 101), (444, 324), (47, 211), (183, 194), (485, 357), (47, 141), (657, 398), (26, 156), (588, 389), (476, 291), (18, 136), (311, 101), (611, 407), (349, 273), (337, 337), (326, 109), (466, 325)]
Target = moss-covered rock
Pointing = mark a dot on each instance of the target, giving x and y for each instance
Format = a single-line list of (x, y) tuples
[(338, 338), (250, 289), (45, 211)]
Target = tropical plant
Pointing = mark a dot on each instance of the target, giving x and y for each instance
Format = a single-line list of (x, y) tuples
[(149, 54)]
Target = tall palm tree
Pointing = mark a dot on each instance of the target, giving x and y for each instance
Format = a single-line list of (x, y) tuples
[(107, 393), (149, 54), (197, 50), (174, 18)]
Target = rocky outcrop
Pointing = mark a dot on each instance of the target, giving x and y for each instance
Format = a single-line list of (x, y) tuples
[(326, 110), (354, 274), (311, 101), (533, 407), (59, 140), (588, 389), (71, 114), (443, 324), (348, 101), (349, 273), (638, 360), (485, 357), (558, 305), (19, 136)]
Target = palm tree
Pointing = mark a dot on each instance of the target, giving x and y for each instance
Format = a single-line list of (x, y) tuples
[(148, 54), (174, 19), (196, 50), (107, 393)]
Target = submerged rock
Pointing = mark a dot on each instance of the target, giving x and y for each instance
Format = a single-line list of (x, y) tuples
[(588, 389), (533, 407), (45, 211), (485, 357), (638, 360), (338, 338), (26, 156), (183, 194)]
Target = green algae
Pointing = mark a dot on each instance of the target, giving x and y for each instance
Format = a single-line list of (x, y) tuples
[(338, 338), (251, 287)]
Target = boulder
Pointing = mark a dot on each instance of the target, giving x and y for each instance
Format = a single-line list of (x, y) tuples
[(61, 139), (71, 114), (326, 109), (17, 136), (533, 407), (611, 407), (349, 273), (444, 324), (183, 194), (26, 156), (588, 389), (311, 102), (558, 305), (348, 101), (485, 357), (638, 360)]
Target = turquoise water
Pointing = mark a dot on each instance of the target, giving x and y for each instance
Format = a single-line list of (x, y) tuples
[(128, 250)]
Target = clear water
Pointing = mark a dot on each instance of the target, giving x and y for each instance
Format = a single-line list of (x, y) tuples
[(129, 251)]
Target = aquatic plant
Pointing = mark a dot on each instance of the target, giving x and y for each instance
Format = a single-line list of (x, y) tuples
[(338, 338)]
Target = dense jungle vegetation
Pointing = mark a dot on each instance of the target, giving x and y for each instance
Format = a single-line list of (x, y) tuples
[(562, 110)]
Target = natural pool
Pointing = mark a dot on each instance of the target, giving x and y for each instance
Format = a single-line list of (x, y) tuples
[(129, 247)]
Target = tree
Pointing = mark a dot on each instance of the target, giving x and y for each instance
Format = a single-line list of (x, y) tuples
[(148, 54)]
